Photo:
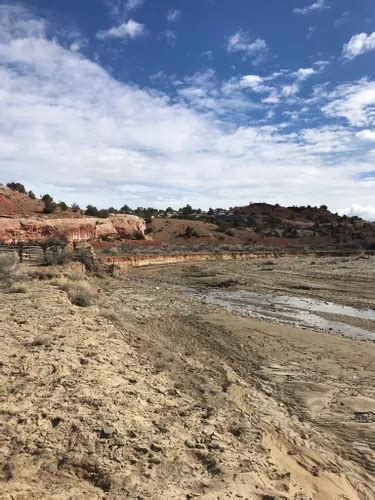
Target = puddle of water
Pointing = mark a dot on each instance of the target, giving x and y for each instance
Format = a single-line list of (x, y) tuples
[(301, 312)]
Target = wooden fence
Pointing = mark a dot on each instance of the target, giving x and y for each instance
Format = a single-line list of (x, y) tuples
[(28, 253)]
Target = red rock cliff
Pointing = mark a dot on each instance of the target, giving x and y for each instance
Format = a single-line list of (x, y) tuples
[(21, 230)]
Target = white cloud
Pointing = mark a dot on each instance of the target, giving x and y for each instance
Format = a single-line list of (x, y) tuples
[(68, 127), (240, 42), (359, 44), (129, 29), (314, 7), (353, 101), (304, 73), (366, 135), (121, 8), (290, 90), (18, 22), (209, 54), (367, 213), (173, 16), (171, 37), (254, 82), (134, 4)]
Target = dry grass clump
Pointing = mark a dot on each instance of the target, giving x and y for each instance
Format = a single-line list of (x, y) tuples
[(75, 276), (17, 288), (79, 291)]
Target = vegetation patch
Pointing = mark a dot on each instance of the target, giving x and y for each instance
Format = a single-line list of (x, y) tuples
[(17, 288), (8, 268), (79, 292)]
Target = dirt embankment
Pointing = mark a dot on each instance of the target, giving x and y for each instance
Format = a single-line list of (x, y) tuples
[(126, 261), (150, 260)]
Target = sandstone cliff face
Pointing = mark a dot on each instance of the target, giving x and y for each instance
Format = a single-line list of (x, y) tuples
[(20, 230)]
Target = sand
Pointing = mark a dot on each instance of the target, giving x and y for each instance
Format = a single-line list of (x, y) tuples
[(152, 393)]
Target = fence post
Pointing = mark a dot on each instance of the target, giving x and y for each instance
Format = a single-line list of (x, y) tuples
[(21, 253)]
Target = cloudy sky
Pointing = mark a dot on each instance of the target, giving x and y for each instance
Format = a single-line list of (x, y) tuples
[(207, 102)]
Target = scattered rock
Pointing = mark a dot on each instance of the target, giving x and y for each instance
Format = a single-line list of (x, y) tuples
[(140, 448)]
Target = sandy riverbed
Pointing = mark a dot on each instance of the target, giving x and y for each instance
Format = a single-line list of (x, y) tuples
[(155, 394)]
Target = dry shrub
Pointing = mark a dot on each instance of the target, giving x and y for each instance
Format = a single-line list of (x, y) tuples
[(80, 293), (62, 283), (17, 288), (75, 276), (114, 251), (57, 258), (110, 315), (8, 268)]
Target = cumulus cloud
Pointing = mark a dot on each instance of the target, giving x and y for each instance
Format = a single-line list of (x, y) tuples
[(359, 44), (367, 212), (18, 22), (255, 83), (68, 127), (129, 29), (314, 7), (240, 42), (353, 101), (290, 90), (304, 73), (366, 135), (173, 16)]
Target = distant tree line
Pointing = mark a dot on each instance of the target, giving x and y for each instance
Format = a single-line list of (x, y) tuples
[(256, 216)]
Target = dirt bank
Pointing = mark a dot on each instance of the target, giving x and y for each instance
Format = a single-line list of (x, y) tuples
[(152, 394), (128, 261)]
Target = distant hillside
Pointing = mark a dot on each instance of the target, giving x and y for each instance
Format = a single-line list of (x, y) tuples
[(252, 225), (262, 224), (17, 204)]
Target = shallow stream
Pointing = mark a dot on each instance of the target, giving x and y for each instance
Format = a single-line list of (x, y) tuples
[(304, 313)]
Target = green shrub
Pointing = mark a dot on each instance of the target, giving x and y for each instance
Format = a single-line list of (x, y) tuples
[(190, 232), (17, 186), (114, 251), (86, 257)]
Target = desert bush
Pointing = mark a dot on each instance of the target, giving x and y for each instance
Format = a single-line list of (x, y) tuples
[(110, 315), (8, 268), (17, 186), (56, 258), (17, 288), (80, 294), (60, 282), (190, 232), (86, 257), (75, 276)]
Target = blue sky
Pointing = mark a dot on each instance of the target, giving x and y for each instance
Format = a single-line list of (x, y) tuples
[(207, 102)]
